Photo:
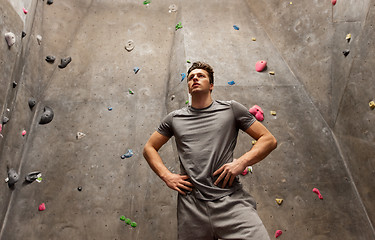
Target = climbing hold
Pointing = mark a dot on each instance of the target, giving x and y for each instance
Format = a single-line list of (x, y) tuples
[(245, 172), (183, 75), (65, 62), (333, 2), (12, 177), (173, 97), (257, 112), (133, 224), (348, 37), (146, 2), (290, 3), (188, 61), (50, 59), (235, 27), (371, 104), (253, 142), (24, 10), (23, 132), (231, 83), (130, 91), (273, 113), (128, 221), (23, 34), (122, 218), (1, 127), (260, 65), (187, 101), (14, 84), (250, 169), (32, 103), (10, 38), (32, 176), (136, 70), (178, 26), (173, 8), (42, 207), (271, 72), (79, 188), (49, 2), (254, 39), (278, 233), (128, 154), (129, 45), (346, 52), (315, 190), (80, 135), (47, 115), (279, 201), (5, 120), (39, 39)]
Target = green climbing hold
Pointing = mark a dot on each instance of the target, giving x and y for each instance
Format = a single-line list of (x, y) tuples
[(187, 101), (122, 218), (146, 2), (178, 26), (128, 221), (133, 224), (188, 61)]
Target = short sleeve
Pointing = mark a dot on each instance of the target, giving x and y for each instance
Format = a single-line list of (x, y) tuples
[(244, 119), (165, 127)]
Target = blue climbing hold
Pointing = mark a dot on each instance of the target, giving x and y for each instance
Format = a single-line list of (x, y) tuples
[(235, 27), (136, 70), (231, 83), (128, 154), (183, 75)]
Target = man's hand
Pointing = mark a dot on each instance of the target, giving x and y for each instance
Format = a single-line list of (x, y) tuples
[(229, 172), (178, 182)]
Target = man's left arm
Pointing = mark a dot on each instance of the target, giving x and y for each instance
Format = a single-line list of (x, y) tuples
[(266, 143)]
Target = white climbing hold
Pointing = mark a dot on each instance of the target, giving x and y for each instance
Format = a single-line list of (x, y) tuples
[(39, 39), (129, 45), (10, 38), (173, 8), (80, 135)]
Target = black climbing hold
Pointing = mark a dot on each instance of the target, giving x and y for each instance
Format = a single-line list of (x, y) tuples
[(49, 2), (23, 34), (65, 62), (47, 115), (50, 59), (31, 177), (79, 188), (346, 52), (14, 84), (12, 177), (32, 103), (5, 120)]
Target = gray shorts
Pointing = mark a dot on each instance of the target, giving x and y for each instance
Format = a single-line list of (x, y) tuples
[(230, 217)]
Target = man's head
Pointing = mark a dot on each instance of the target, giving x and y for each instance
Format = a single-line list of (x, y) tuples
[(204, 66)]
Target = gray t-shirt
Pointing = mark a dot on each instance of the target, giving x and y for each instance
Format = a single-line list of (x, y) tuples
[(205, 140)]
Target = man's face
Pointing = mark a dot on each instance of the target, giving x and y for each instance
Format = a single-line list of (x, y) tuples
[(198, 81)]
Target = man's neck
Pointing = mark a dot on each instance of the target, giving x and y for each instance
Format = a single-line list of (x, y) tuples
[(201, 101)]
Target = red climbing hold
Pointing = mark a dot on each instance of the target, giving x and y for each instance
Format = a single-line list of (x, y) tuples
[(245, 172), (278, 233), (333, 2), (42, 207), (260, 65), (315, 190), (257, 112)]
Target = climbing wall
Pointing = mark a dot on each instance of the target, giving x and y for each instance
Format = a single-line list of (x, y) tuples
[(119, 68)]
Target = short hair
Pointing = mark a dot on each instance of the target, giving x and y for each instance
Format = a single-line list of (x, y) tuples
[(204, 66)]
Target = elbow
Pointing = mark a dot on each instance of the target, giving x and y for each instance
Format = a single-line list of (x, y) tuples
[(274, 143)]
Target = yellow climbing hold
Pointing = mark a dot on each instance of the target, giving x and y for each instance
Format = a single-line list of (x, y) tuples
[(271, 72), (348, 36), (279, 201), (253, 142), (254, 39), (371, 104), (291, 3), (273, 113)]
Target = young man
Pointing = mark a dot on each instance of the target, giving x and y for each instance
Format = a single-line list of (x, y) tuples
[(211, 204)]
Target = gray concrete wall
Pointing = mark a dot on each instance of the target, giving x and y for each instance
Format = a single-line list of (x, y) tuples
[(323, 122)]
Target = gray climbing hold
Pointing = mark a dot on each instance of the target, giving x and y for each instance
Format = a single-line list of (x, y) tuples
[(39, 39), (47, 115), (50, 59), (14, 84), (172, 8), (5, 120), (49, 2), (346, 52), (32, 176), (32, 103), (23, 34), (12, 177), (10, 38), (129, 45), (65, 62)]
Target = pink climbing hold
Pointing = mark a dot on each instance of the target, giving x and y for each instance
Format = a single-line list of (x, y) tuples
[(257, 112), (42, 207), (1, 127), (315, 190), (333, 2), (24, 11), (245, 172), (23, 132), (260, 65), (278, 233)]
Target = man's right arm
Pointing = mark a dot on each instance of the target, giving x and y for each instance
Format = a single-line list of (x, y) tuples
[(150, 152)]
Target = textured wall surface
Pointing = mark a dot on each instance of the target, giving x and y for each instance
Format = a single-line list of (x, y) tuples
[(323, 125)]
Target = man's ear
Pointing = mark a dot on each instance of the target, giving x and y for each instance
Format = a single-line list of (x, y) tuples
[(211, 86)]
